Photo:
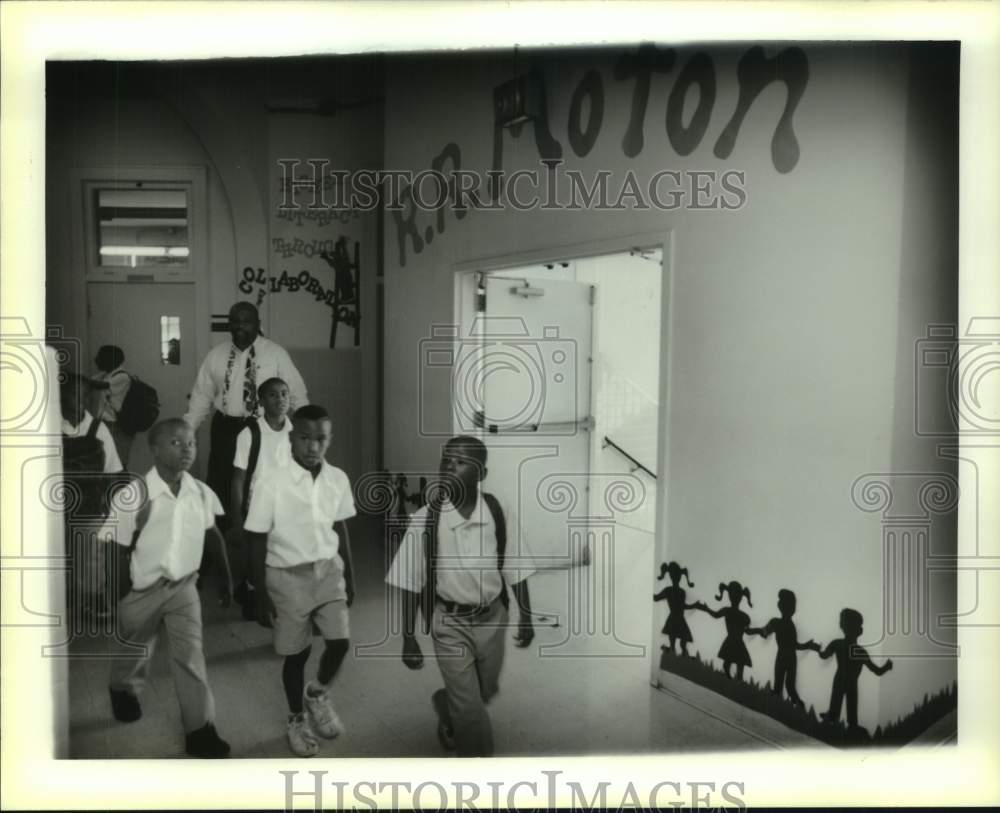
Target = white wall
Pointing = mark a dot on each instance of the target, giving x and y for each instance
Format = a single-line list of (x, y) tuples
[(790, 314)]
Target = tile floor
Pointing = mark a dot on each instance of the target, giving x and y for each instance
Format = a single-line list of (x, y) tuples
[(579, 697)]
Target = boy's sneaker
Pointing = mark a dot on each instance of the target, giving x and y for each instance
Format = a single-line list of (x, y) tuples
[(125, 706), (319, 708), (301, 738), (206, 743)]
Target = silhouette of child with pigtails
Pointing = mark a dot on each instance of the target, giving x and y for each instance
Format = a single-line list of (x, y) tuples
[(733, 650), (786, 636), (675, 628), (850, 659)]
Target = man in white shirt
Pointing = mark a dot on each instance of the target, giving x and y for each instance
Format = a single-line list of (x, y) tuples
[(227, 382)]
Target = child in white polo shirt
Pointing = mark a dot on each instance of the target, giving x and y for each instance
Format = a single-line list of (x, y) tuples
[(454, 564), (261, 446), (306, 569), (166, 538)]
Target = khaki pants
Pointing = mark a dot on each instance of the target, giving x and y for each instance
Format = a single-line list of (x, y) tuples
[(177, 607), (470, 655)]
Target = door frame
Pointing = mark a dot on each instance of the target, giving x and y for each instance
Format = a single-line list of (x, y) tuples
[(79, 179), (464, 273)]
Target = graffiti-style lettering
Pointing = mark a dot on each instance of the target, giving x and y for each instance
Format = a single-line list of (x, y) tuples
[(754, 73), (406, 226), (640, 66), (582, 139), (451, 153), (699, 71)]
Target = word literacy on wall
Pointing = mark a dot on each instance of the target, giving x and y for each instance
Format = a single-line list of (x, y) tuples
[(343, 299), (755, 72)]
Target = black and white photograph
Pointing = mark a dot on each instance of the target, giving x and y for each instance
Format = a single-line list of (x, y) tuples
[(631, 397)]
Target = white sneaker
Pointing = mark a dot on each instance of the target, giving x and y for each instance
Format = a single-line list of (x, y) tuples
[(301, 738), (319, 708)]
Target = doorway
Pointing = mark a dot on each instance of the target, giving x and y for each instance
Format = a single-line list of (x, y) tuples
[(154, 323), (565, 394), (140, 242)]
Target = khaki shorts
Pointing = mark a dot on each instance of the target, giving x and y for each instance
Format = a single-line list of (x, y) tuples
[(304, 594)]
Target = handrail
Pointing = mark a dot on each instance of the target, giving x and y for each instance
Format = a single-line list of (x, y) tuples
[(609, 442)]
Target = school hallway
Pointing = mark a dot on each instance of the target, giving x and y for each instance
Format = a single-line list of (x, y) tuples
[(570, 702)]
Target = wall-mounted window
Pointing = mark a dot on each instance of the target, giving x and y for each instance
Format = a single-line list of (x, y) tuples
[(142, 227), (138, 230), (170, 340)]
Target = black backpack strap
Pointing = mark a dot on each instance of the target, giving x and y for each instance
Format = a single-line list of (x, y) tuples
[(94, 426), (255, 441), (427, 597), (500, 523), (141, 517)]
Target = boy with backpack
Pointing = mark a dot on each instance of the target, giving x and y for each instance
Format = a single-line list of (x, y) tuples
[(165, 539), (303, 574), (260, 447), (111, 385), (89, 458), (453, 564)]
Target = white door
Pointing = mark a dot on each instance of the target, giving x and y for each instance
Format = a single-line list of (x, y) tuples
[(140, 318), (534, 380)]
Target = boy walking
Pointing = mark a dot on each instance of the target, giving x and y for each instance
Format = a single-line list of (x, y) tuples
[(452, 563), (302, 572), (166, 538), (261, 446), (111, 384)]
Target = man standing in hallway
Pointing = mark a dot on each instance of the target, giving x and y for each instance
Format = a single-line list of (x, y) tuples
[(227, 380)]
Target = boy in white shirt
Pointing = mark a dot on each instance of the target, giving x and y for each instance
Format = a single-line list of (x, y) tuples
[(76, 420), (460, 583), (302, 572), (261, 446), (111, 384), (166, 538), (89, 453)]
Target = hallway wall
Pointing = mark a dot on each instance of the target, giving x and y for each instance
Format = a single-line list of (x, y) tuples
[(790, 315)]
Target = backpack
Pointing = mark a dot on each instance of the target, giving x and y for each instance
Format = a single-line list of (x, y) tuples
[(83, 474), (84, 453), (430, 555), (140, 407)]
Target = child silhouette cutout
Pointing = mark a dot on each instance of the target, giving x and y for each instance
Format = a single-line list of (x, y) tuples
[(786, 636), (676, 627), (733, 650), (850, 659)]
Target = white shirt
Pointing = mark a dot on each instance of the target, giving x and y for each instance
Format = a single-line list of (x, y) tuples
[(467, 556), (271, 361), (112, 398), (275, 449), (172, 539), (112, 463), (297, 512)]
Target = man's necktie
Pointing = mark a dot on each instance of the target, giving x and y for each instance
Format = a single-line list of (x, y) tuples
[(250, 384)]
